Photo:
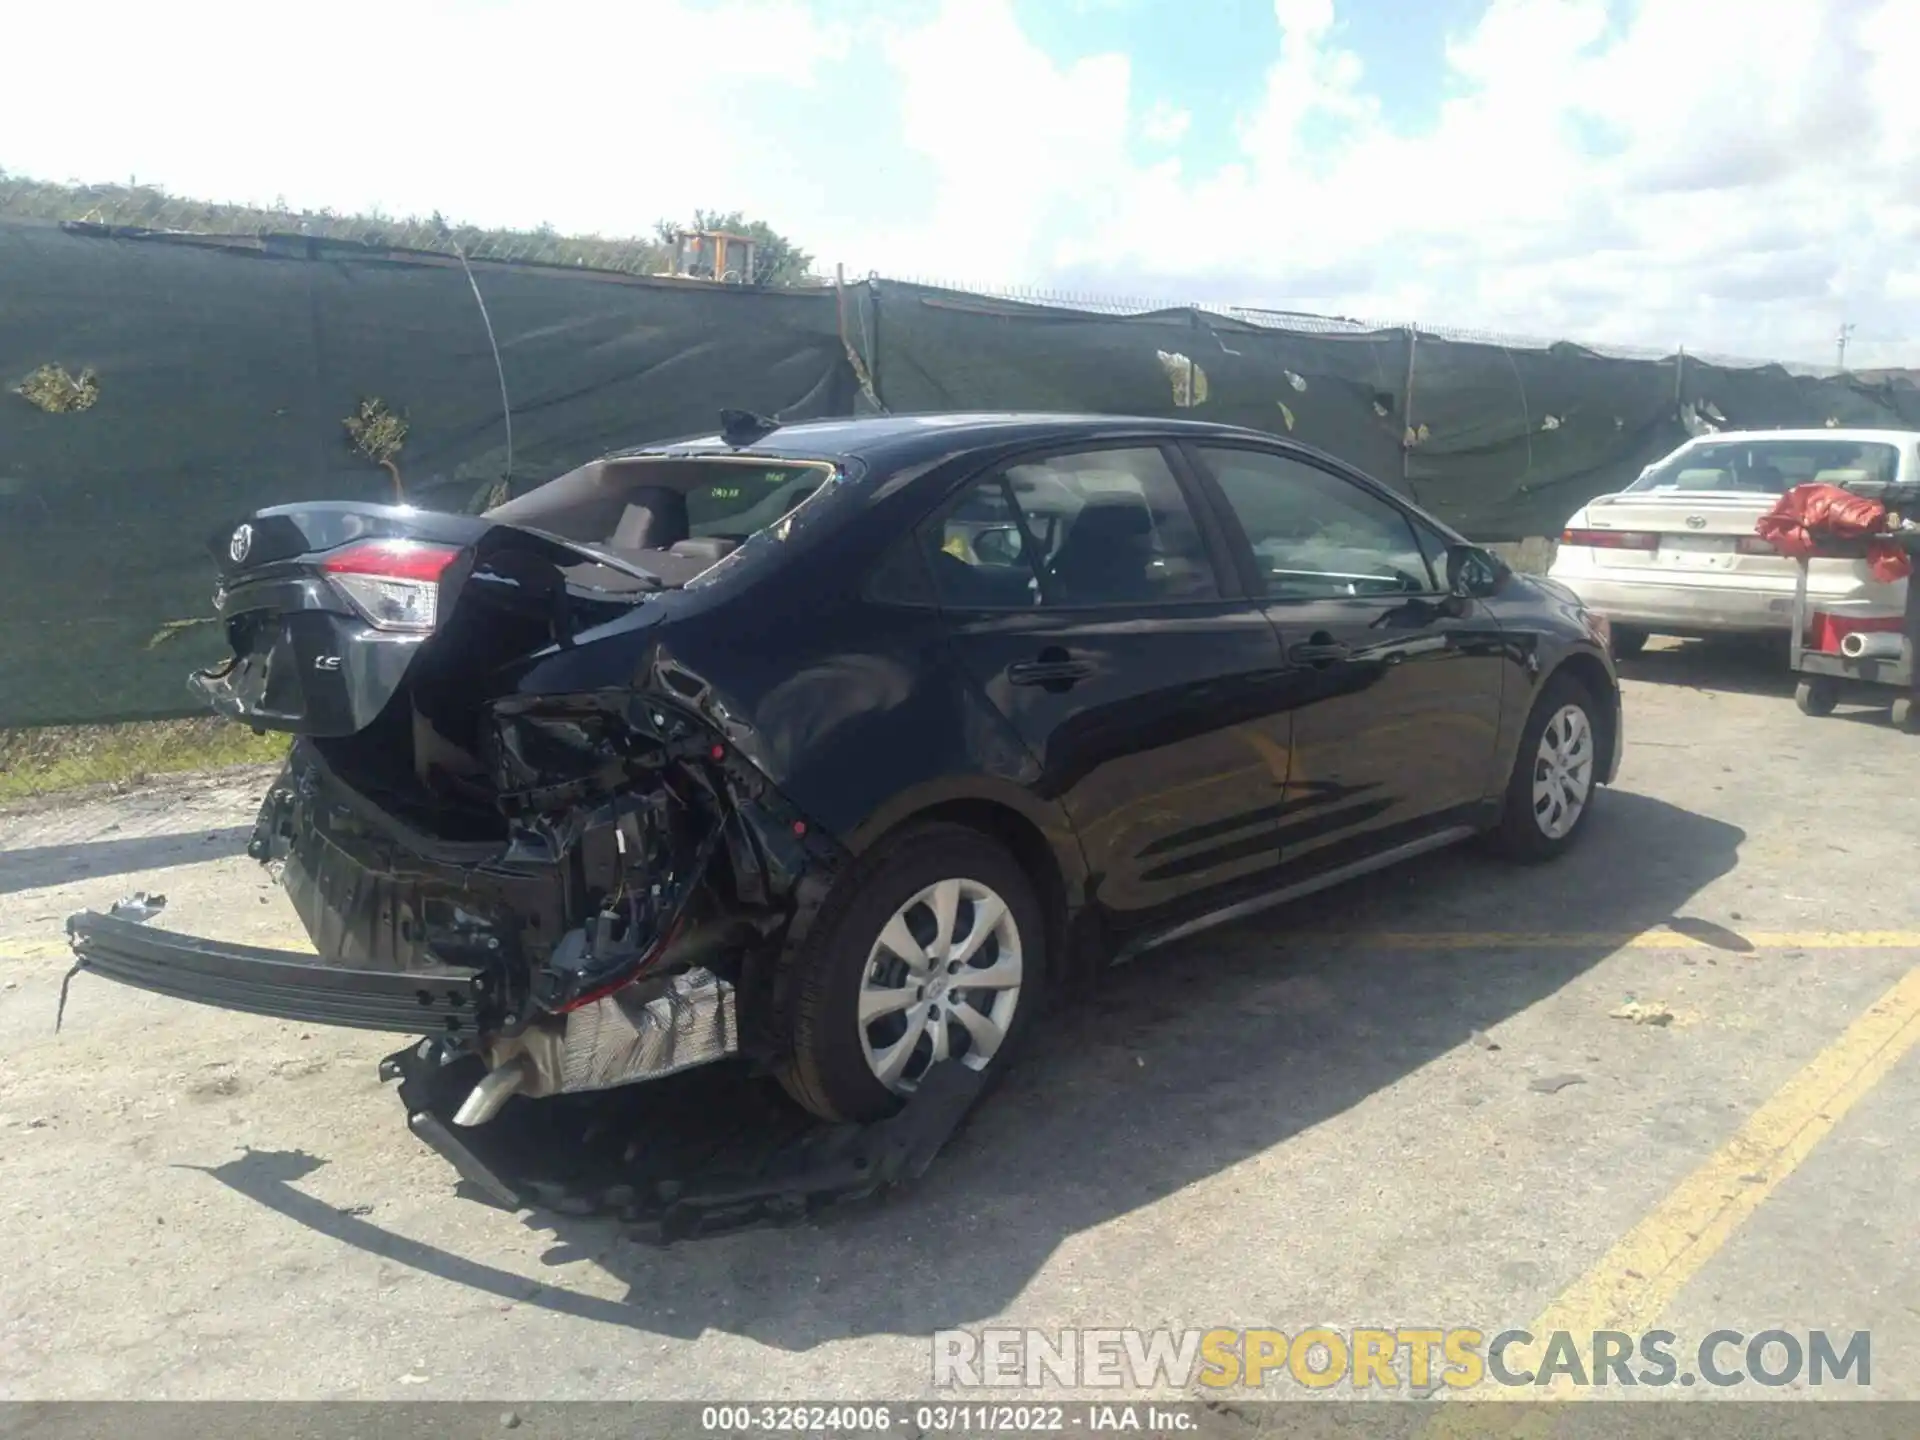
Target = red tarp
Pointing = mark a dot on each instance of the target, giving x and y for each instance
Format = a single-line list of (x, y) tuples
[(1809, 514)]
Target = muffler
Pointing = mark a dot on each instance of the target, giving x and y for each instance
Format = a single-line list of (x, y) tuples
[(1873, 645)]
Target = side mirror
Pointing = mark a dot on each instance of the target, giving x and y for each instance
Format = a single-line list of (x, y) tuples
[(1473, 573)]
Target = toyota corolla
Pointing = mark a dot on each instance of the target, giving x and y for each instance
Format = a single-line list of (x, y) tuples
[(837, 746)]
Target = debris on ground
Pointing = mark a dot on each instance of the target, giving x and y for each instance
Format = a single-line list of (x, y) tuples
[(1483, 1040), (1554, 1084), (139, 906), (1651, 1012)]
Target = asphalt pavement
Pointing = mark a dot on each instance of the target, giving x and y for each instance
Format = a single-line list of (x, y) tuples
[(1666, 1083)]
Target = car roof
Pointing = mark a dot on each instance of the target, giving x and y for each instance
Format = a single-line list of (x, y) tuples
[(1888, 437), (887, 441)]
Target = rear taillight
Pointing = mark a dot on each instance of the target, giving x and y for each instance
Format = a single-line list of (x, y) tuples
[(395, 584), (1612, 539)]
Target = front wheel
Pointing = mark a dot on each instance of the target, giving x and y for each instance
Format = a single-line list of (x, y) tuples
[(1551, 789), (930, 955)]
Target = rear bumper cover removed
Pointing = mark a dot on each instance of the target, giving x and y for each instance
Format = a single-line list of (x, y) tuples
[(640, 1032), (586, 947)]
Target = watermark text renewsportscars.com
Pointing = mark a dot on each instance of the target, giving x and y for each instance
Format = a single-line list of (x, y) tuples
[(1405, 1359)]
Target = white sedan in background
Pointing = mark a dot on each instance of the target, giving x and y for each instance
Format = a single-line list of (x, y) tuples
[(1675, 553)]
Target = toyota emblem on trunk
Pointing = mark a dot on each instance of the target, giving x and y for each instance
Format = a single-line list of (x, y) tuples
[(1694, 522), (242, 542)]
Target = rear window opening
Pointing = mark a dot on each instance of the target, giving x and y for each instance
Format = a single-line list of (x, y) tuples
[(673, 516), (1771, 467)]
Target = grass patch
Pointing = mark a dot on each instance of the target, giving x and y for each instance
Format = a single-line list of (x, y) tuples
[(66, 757), (52, 389)]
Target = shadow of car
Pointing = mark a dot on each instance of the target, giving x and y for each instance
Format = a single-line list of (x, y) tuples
[(1183, 1066)]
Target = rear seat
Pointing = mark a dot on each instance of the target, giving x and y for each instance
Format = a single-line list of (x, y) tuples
[(679, 562)]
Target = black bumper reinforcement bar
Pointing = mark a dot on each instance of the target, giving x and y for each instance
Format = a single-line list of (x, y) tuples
[(280, 983)]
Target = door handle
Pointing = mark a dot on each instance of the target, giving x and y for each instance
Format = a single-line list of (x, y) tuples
[(1052, 667), (1318, 652)]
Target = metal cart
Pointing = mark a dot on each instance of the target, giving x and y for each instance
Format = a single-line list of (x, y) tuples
[(1827, 678)]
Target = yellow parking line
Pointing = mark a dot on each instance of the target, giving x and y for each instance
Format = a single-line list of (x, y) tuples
[(32, 950), (1635, 1281), (1656, 939)]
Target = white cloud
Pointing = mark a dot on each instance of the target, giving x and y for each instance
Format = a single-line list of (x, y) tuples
[(588, 114), (1020, 148), (1719, 173), (1165, 124), (1731, 176)]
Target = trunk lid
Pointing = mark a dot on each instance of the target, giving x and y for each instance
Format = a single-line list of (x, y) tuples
[(1709, 533), (330, 607)]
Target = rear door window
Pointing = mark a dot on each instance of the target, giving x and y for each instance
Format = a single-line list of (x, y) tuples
[(978, 552), (1089, 528)]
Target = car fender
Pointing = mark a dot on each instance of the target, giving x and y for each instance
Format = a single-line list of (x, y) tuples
[(948, 793), (1541, 656)]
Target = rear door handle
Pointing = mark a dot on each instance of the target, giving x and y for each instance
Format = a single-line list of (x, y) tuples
[(1318, 652), (1053, 668)]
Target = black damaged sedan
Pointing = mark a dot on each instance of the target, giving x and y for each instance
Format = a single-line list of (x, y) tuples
[(838, 746)]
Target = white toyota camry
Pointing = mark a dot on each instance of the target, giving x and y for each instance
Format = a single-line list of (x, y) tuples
[(1675, 553)]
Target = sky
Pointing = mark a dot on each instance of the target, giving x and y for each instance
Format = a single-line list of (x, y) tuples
[(1737, 176)]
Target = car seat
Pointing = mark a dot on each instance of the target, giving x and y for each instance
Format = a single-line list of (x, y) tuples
[(655, 519), (1106, 553)]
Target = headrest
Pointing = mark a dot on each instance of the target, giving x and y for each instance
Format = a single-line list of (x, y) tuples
[(1114, 519), (705, 547)]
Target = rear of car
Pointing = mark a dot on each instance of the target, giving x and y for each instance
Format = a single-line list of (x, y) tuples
[(507, 812), (1676, 554)]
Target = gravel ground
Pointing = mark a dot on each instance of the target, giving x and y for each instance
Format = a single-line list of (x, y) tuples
[(1264, 1127)]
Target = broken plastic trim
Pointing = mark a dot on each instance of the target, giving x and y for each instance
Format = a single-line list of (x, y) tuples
[(776, 1167), (620, 810), (595, 942)]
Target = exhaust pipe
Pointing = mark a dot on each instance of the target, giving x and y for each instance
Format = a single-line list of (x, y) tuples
[(490, 1096), (1872, 645)]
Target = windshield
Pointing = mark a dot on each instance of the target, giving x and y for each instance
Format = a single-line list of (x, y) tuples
[(1771, 467)]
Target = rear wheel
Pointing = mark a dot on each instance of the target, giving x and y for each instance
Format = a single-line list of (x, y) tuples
[(1554, 774), (1628, 641), (933, 955), (1817, 695)]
